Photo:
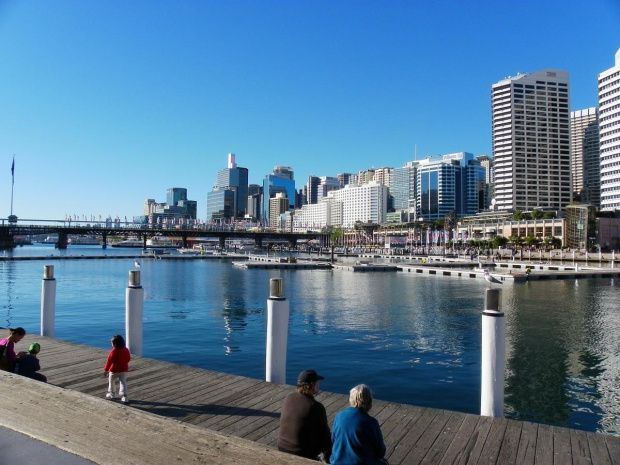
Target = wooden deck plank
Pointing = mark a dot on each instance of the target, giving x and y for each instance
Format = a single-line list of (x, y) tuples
[(510, 444), (457, 451), (580, 448), (414, 432), (562, 452), (526, 453), (476, 442), (493, 444), (438, 449), (613, 447), (598, 449), (544, 445)]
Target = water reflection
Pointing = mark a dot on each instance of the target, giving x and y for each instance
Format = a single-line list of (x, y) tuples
[(7, 269)]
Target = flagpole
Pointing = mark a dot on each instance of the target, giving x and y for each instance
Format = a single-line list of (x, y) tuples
[(12, 182)]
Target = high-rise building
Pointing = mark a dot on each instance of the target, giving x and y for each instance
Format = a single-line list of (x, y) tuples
[(448, 183), (344, 178), (175, 194), (402, 189), (609, 129), (531, 141), (281, 180), (486, 187), (278, 205), (585, 156), (234, 179), (367, 204), (383, 175)]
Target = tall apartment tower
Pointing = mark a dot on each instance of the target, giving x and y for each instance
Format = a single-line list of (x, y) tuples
[(585, 156), (609, 129), (531, 141)]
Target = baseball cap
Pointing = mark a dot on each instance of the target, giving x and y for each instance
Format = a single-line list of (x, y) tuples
[(34, 348), (308, 376)]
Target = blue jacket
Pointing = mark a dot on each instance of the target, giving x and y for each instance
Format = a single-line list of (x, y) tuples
[(357, 438)]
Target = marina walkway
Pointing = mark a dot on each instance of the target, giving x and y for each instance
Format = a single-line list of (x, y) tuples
[(238, 417)]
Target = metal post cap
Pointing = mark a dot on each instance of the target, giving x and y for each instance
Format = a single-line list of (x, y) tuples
[(276, 287), (48, 271), (134, 278)]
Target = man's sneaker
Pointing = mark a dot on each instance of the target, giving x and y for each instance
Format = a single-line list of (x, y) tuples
[(124, 400), (109, 395)]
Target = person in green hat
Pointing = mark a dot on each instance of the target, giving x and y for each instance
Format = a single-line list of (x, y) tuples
[(28, 365)]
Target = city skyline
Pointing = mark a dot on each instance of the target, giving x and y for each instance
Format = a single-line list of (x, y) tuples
[(106, 105)]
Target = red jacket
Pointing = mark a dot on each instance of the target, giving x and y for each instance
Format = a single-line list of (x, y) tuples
[(118, 360)]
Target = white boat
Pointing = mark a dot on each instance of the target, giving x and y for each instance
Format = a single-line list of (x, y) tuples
[(84, 240), (129, 243), (160, 243)]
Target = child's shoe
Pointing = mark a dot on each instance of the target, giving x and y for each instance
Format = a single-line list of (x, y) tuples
[(124, 400), (110, 395)]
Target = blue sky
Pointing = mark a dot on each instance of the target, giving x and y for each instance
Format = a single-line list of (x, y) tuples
[(107, 103)]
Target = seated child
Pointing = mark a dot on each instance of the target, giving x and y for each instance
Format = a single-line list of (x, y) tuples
[(28, 365)]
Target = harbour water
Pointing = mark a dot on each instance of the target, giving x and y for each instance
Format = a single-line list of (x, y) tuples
[(411, 338)]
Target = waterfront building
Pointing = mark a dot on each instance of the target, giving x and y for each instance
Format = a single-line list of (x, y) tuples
[(531, 141), (175, 194), (485, 226), (402, 190), (365, 176), (486, 189), (366, 204), (585, 156), (318, 187), (220, 204), (448, 183), (609, 129), (280, 181), (383, 175), (312, 217), (277, 206), (344, 179), (581, 226), (235, 179)]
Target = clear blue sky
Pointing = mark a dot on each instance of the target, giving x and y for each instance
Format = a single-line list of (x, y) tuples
[(107, 103)]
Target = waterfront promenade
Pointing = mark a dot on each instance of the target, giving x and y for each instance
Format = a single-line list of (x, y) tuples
[(188, 415)]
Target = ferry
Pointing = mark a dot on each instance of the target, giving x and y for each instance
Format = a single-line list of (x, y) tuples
[(161, 243), (84, 240), (129, 243)]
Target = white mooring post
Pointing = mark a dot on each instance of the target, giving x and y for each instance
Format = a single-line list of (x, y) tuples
[(134, 303), (48, 301), (277, 332), (493, 356)]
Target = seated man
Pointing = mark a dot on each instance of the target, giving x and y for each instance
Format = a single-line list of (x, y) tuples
[(304, 430), (28, 365)]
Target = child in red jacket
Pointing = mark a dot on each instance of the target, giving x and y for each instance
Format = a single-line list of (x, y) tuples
[(116, 367)]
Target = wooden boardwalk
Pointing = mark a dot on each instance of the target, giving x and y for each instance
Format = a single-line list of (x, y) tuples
[(249, 408)]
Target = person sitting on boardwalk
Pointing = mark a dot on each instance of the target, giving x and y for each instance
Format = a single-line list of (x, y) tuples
[(28, 365), (304, 430), (356, 435), (117, 365), (8, 357)]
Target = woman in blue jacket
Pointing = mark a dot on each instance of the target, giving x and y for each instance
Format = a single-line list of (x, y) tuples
[(356, 435)]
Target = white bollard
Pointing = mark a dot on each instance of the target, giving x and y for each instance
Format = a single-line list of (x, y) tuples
[(493, 356), (277, 332), (134, 304), (48, 301)]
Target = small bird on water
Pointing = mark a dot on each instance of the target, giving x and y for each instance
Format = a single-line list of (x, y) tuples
[(491, 279), (136, 263)]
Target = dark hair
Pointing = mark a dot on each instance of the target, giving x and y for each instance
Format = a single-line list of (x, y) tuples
[(18, 331), (118, 341)]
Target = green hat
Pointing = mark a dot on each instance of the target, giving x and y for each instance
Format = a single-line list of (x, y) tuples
[(34, 348)]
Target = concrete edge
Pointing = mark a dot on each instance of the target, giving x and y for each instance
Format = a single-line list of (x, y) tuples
[(108, 432)]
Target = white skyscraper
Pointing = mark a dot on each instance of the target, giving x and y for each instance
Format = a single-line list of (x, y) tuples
[(609, 129), (531, 141)]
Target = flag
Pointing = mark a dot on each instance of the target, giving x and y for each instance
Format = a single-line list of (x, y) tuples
[(13, 169)]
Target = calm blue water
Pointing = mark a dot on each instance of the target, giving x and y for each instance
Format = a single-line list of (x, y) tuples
[(411, 338)]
